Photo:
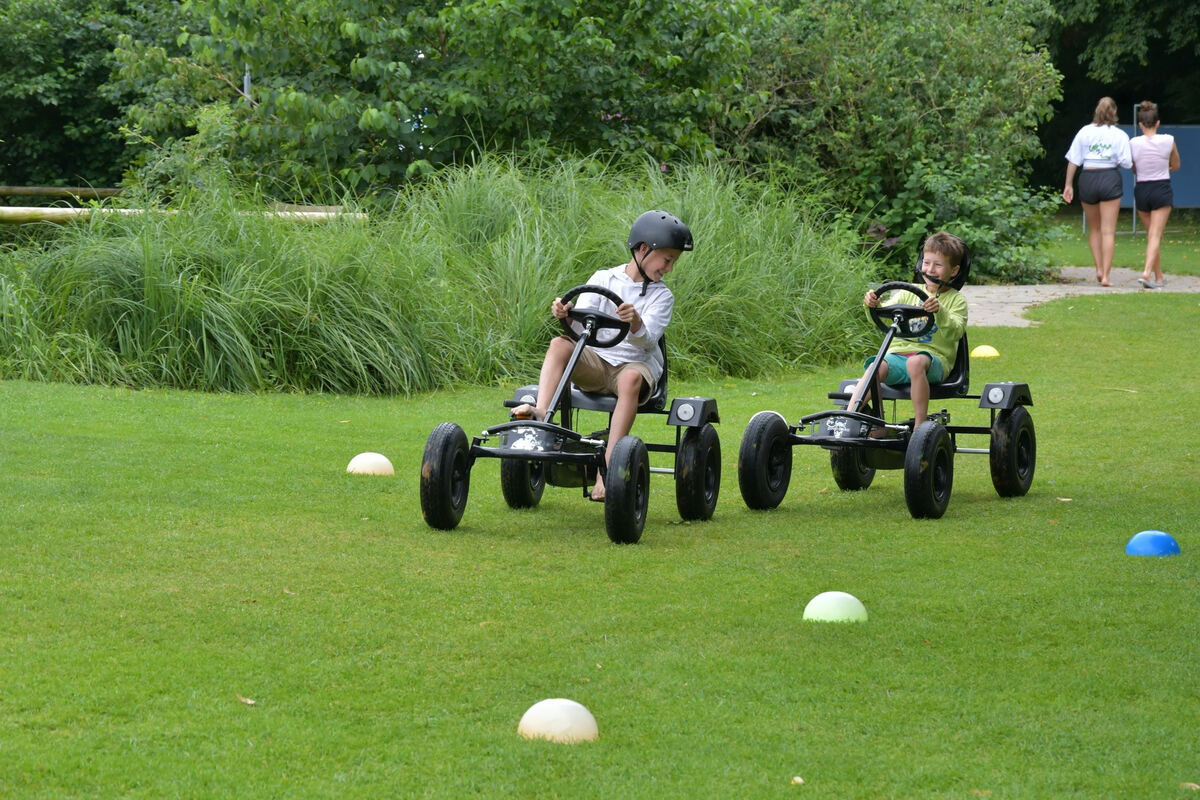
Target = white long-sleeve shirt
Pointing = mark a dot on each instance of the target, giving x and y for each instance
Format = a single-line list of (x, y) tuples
[(655, 309)]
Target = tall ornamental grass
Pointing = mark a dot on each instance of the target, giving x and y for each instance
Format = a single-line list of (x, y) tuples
[(449, 284)]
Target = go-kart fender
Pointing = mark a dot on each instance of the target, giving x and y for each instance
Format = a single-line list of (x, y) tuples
[(1005, 394), (693, 412), (524, 394)]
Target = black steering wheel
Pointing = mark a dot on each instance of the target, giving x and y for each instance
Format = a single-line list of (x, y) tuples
[(600, 321), (910, 322)]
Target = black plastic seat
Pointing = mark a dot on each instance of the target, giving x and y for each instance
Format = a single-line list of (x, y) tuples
[(596, 401), (954, 385)]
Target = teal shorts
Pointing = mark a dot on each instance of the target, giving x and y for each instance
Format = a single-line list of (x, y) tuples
[(898, 367)]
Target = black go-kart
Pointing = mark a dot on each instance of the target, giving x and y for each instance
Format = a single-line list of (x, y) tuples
[(860, 440), (534, 453)]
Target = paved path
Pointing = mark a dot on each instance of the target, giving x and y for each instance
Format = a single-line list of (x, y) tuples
[(1006, 305)]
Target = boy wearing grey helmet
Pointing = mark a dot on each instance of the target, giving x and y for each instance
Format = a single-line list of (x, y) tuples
[(631, 369)]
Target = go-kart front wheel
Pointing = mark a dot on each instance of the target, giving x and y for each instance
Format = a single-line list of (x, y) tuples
[(928, 471), (445, 476), (850, 470), (1013, 452), (765, 461), (522, 482), (698, 473), (627, 490)]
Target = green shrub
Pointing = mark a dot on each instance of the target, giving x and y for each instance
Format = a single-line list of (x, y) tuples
[(921, 114), (1003, 222), (450, 284)]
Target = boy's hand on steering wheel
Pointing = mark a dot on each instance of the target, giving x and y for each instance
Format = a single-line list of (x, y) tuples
[(627, 313), (931, 304), (560, 309), (870, 299)]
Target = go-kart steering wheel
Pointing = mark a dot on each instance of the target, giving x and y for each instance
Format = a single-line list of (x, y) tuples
[(602, 321), (910, 321)]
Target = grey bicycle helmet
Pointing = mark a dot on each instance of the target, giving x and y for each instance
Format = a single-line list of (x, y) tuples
[(660, 229)]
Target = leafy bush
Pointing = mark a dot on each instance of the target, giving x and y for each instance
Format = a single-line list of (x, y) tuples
[(1002, 222), (58, 125), (921, 114)]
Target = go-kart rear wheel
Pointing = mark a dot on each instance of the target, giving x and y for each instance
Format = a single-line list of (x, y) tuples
[(522, 482), (627, 490), (698, 472), (850, 470), (445, 476), (765, 461), (1013, 452), (929, 470)]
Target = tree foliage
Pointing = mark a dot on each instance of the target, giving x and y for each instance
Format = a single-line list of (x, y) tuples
[(1123, 35), (879, 102), (371, 92), (58, 122), (52, 122), (922, 113)]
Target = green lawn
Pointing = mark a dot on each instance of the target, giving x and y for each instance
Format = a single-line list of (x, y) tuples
[(169, 557), (1180, 248)]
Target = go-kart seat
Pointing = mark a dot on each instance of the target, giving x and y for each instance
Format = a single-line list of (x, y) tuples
[(596, 401), (954, 385)]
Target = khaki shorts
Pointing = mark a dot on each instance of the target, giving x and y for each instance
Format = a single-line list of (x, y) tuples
[(594, 374)]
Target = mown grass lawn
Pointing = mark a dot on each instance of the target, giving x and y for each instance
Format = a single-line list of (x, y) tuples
[(169, 557)]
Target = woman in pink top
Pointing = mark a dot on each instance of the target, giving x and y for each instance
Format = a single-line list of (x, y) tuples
[(1155, 156)]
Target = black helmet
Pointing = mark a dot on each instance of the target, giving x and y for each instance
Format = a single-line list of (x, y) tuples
[(659, 229)]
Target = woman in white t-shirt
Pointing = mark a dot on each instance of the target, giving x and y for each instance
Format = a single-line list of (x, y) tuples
[(1097, 151), (1155, 157)]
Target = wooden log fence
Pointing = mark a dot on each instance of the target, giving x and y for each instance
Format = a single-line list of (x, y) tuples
[(17, 215), (81, 192)]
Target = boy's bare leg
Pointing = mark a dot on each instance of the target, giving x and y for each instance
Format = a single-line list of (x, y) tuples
[(553, 365), (918, 388), (861, 386), (629, 387)]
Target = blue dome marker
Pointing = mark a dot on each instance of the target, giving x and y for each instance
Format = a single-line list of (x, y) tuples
[(1152, 543)]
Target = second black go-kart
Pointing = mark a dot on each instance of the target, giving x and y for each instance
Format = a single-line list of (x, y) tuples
[(861, 440)]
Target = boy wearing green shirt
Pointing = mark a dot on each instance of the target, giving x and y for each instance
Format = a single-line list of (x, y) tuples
[(918, 362)]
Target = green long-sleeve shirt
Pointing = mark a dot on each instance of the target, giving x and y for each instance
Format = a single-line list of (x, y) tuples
[(950, 323)]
